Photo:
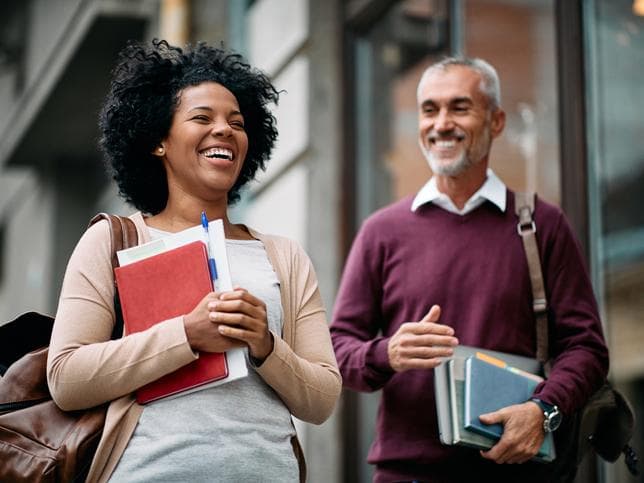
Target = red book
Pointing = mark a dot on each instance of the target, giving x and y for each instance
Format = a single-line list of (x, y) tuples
[(159, 288)]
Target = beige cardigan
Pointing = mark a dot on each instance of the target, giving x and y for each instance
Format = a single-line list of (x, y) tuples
[(86, 368)]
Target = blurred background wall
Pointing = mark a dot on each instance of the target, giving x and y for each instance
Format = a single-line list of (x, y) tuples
[(571, 75)]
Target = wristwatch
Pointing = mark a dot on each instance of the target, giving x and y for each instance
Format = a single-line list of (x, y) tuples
[(551, 415)]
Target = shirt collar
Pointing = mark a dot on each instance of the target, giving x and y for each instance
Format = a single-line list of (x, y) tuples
[(493, 190)]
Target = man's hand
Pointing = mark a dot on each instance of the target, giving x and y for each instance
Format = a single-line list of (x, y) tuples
[(422, 344), (522, 433)]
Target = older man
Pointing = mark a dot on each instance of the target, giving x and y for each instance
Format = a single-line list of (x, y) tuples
[(447, 267)]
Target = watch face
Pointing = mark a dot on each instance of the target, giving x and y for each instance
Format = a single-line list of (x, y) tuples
[(551, 414), (552, 420)]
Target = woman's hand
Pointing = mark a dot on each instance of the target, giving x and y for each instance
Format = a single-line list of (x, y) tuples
[(202, 334), (241, 316)]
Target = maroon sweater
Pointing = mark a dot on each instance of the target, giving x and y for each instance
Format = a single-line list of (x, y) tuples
[(474, 267)]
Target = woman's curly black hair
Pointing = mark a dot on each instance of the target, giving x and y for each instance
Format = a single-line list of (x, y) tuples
[(137, 113)]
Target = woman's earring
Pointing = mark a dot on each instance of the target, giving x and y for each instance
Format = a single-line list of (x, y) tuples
[(160, 151)]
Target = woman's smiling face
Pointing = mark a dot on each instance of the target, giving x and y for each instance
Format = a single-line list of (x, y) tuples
[(207, 143)]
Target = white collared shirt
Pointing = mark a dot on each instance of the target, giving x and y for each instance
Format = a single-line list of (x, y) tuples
[(493, 189)]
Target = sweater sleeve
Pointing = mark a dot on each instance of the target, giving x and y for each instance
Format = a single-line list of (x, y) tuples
[(304, 374), (578, 351), (357, 319), (85, 368)]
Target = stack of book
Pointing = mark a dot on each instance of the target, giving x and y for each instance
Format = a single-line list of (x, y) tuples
[(475, 382), (167, 278)]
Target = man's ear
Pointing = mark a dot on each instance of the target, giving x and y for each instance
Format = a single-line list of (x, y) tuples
[(158, 151), (498, 122)]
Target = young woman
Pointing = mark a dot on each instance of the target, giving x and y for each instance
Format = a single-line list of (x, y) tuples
[(183, 131)]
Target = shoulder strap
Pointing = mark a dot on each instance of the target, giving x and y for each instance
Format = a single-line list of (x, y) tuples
[(524, 207), (122, 235)]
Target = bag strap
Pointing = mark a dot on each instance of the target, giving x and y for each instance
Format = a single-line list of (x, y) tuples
[(524, 208), (122, 235)]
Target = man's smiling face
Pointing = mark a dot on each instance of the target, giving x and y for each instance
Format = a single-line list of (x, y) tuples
[(456, 125)]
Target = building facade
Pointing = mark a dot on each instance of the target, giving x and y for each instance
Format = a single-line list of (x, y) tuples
[(571, 85)]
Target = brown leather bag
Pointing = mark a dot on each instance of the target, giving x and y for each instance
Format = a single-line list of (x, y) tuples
[(38, 441), (605, 423)]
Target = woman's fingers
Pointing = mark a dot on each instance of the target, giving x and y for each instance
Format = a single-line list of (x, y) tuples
[(242, 316), (238, 307), (240, 293), (201, 333)]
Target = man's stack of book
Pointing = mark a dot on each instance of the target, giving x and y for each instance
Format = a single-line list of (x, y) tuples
[(475, 382)]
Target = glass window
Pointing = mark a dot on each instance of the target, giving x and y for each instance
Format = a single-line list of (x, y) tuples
[(518, 38), (388, 59), (614, 40), (389, 53)]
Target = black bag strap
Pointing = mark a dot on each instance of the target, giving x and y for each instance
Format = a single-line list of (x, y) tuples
[(123, 235), (524, 208)]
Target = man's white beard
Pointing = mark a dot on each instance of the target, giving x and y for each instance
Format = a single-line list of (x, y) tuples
[(453, 168), (477, 152)]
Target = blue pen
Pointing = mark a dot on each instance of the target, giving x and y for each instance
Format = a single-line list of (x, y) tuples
[(212, 266)]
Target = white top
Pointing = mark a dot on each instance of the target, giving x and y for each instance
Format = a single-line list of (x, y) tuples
[(239, 431), (493, 189)]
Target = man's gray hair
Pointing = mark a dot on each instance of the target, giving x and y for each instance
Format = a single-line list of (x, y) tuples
[(490, 85)]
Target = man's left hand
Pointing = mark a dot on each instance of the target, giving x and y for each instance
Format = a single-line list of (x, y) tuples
[(522, 433)]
